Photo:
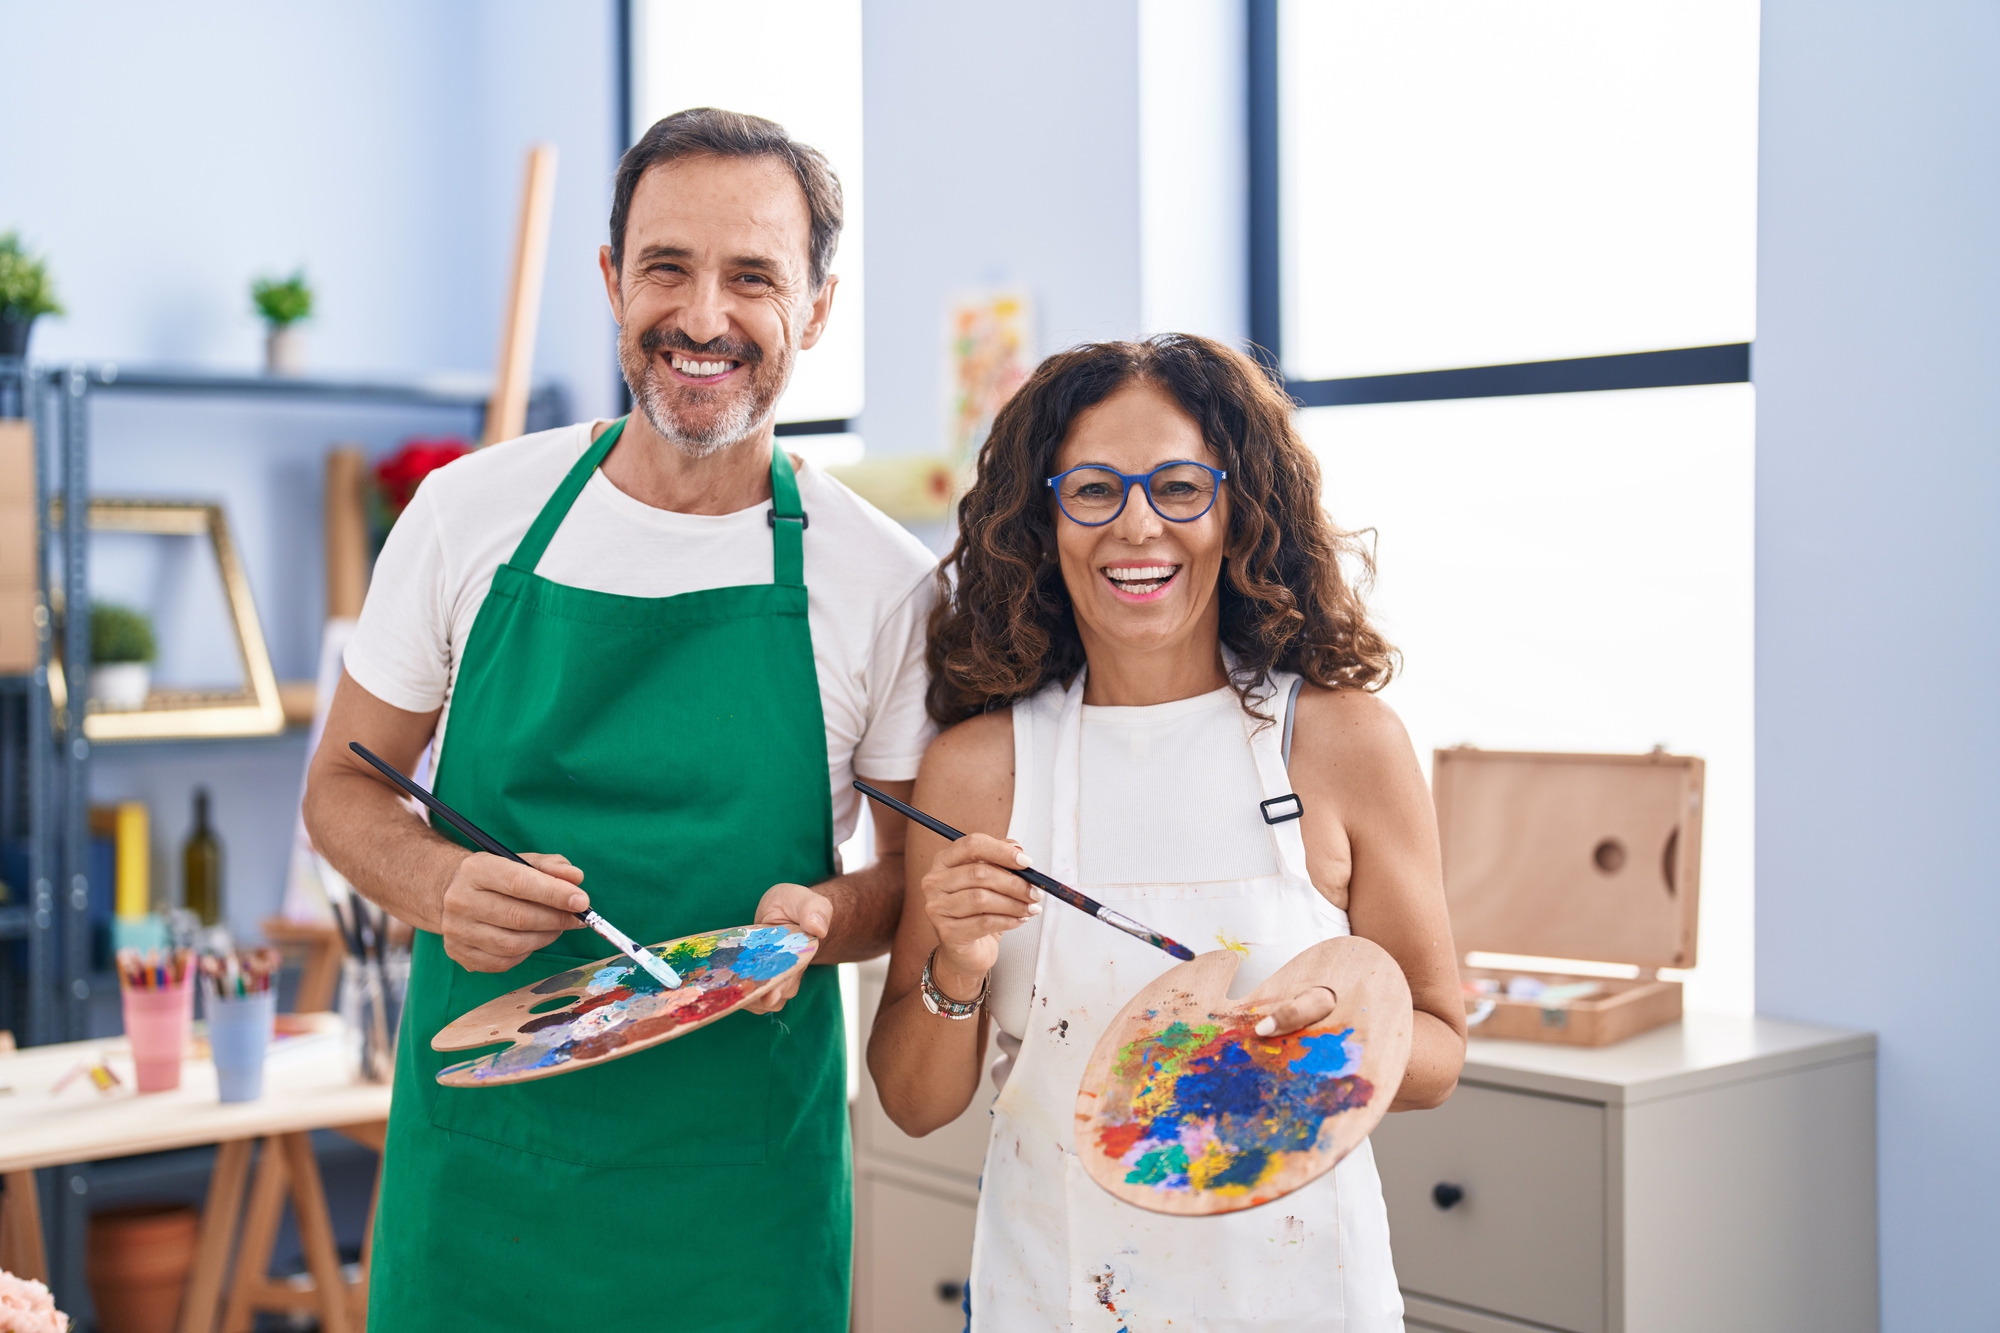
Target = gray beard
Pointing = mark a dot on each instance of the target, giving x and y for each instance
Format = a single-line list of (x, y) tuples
[(727, 429), (732, 426)]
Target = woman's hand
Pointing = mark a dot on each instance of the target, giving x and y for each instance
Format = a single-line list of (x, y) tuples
[(971, 896), (1301, 1011)]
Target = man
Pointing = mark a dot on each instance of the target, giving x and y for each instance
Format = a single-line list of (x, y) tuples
[(655, 652)]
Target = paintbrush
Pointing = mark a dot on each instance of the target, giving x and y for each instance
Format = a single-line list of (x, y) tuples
[(655, 968), (1082, 902)]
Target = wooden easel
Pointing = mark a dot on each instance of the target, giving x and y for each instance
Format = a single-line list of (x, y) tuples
[(507, 412)]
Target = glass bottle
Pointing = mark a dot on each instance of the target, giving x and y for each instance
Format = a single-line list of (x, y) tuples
[(201, 863)]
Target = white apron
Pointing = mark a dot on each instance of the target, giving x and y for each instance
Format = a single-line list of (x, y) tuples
[(1053, 1250)]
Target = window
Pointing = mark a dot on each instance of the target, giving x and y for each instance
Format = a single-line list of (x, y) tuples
[(1505, 256), (1470, 184), (797, 62)]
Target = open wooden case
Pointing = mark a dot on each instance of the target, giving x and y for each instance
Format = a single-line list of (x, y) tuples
[(1593, 857)]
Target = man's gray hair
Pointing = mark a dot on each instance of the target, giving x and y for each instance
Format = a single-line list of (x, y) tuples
[(704, 131)]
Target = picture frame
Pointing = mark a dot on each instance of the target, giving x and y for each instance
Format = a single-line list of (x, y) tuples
[(252, 709)]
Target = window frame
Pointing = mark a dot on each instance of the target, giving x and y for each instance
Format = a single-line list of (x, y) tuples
[(625, 107), (1724, 363)]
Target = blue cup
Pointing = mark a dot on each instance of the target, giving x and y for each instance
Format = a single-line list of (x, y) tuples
[(239, 1033)]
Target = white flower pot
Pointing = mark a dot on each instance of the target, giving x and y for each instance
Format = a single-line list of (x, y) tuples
[(122, 686), (284, 352)]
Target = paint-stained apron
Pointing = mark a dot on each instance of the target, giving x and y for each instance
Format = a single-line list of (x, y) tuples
[(674, 748), (1053, 1250)]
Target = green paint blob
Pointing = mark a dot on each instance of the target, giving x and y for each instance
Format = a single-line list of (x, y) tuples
[(1159, 1166)]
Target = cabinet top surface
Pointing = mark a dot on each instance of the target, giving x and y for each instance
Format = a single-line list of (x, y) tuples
[(1701, 1050)]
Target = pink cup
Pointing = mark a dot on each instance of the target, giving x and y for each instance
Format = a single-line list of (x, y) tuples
[(156, 1023)]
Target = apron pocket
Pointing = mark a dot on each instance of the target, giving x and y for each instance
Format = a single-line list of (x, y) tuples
[(699, 1100)]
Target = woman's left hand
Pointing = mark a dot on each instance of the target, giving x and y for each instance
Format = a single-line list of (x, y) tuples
[(1301, 1011)]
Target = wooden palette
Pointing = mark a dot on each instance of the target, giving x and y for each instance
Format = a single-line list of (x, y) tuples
[(613, 1007), (1183, 1109)]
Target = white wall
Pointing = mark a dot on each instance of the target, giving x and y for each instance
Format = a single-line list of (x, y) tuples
[(1878, 597), (1002, 149), (1194, 168), (164, 155)]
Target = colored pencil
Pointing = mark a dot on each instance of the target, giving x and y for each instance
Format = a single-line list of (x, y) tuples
[(153, 970), (657, 969), (236, 976), (1083, 902)]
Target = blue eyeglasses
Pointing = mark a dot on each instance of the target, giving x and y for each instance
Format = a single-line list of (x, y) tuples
[(1180, 492)]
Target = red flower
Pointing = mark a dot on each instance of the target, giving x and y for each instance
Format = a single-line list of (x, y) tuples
[(399, 474)]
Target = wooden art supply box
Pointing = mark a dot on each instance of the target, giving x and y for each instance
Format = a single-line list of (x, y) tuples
[(1593, 857)]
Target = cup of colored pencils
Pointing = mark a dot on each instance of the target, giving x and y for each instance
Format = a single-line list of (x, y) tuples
[(240, 997), (157, 990)]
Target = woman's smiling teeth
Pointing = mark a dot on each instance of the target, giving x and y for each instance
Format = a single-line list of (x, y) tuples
[(699, 369), (1140, 579)]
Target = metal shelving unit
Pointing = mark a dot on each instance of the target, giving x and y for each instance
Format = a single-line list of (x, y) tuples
[(45, 749), (45, 783), (46, 974)]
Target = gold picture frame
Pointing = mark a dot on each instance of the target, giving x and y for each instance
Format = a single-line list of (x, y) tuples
[(251, 710)]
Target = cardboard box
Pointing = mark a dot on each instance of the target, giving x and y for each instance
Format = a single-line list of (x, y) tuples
[(20, 581), (1591, 857)]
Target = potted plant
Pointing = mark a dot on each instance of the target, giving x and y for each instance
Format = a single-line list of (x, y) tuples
[(25, 292), (283, 302), (121, 656)]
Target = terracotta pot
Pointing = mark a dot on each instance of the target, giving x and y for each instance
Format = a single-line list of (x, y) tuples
[(136, 1262)]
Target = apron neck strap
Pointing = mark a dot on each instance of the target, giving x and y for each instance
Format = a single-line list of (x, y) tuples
[(529, 553), (788, 523), (787, 515)]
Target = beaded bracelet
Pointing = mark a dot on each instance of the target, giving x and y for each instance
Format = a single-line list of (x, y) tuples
[(943, 1005)]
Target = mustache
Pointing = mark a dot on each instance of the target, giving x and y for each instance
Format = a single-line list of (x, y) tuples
[(656, 340)]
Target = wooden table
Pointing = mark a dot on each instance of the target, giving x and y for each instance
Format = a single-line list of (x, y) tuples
[(306, 1087)]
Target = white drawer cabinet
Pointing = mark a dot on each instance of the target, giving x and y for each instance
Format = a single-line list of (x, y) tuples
[(914, 1201), (1715, 1175), (910, 1261)]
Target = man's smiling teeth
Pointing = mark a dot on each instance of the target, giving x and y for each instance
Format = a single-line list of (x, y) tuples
[(701, 369), (1141, 579)]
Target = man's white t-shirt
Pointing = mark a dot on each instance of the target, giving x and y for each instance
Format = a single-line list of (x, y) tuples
[(868, 590)]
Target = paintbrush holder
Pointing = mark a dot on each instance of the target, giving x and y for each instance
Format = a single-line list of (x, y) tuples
[(371, 1005), (1593, 858)]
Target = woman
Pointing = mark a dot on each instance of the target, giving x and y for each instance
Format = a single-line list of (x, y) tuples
[(1120, 674)]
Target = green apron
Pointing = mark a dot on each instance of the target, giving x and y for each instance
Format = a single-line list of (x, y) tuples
[(674, 748)]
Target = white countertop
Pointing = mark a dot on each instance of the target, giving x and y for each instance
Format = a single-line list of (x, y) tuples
[(306, 1086), (1699, 1051)]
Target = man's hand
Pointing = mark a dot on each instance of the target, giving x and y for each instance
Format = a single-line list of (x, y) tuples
[(799, 908), (496, 912)]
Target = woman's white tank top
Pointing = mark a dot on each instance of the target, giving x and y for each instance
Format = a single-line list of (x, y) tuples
[(1155, 811)]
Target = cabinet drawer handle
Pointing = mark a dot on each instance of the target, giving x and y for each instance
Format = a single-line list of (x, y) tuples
[(1446, 1195), (950, 1293)]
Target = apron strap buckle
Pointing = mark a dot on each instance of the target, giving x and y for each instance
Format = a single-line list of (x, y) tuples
[(771, 517), (1272, 816)]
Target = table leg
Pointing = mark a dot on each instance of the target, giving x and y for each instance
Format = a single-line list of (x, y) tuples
[(260, 1232), (316, 1232), (368, 1246), (218, 1235), (21, 1250)]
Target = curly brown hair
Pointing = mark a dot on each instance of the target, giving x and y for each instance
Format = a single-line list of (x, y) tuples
[(1003, 626)]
